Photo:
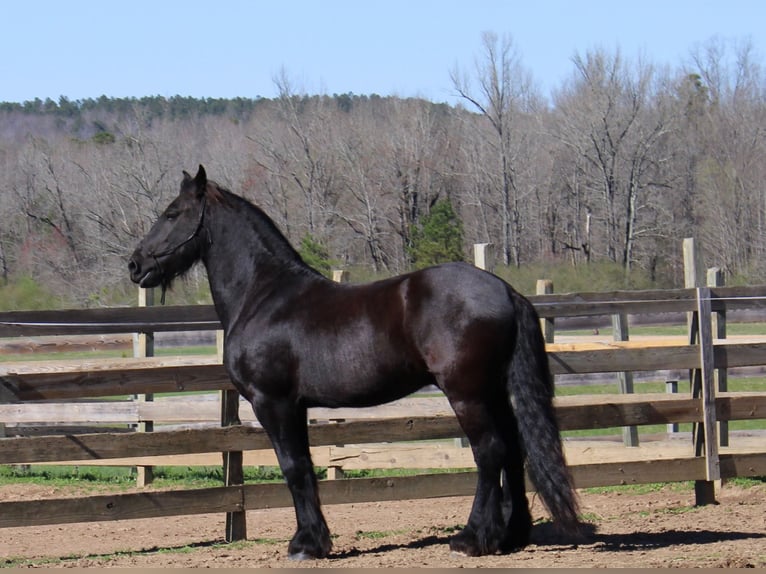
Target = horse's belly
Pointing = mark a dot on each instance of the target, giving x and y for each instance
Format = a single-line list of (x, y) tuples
[(363, 390)]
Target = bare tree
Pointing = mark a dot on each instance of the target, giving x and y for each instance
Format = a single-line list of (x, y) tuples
[(504, 91), (728, 179), (611, 117)]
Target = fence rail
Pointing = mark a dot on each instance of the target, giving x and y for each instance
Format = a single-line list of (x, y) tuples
[(29, 391)]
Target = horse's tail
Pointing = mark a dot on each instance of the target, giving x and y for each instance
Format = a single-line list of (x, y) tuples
[(531, 387)]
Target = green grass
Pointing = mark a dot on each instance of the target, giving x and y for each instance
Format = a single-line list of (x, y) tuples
[(682, 486), (377, 534), (117, 477), (732, 329)]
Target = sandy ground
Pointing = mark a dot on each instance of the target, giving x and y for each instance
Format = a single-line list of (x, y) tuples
[(654, 529)]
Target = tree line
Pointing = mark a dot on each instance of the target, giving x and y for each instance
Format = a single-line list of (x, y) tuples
[(624, 159)]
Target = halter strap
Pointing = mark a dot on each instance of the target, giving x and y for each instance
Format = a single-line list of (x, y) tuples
[(170, 251)]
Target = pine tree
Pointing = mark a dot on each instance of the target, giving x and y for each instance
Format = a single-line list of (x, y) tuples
[(439, 238)]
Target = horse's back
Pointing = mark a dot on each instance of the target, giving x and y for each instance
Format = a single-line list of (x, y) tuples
[(461, 291)]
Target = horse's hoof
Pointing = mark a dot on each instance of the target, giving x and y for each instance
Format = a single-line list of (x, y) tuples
[(464, 543), (305, 546), (518, 533), (300, 556)]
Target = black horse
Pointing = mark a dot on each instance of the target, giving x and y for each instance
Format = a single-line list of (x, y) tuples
[(294, 339)]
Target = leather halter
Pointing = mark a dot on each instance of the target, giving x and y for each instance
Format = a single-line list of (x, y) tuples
[(170, 251)]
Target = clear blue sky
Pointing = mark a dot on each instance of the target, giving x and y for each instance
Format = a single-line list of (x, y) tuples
[(230, 48)]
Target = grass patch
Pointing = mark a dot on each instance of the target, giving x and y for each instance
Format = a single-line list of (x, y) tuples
[(120, 477), (377, 534), (642, 488)]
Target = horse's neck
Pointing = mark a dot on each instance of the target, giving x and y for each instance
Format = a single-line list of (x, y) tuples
[(241, 263)]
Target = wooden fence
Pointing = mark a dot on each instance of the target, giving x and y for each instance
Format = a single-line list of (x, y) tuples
[(39, 391)]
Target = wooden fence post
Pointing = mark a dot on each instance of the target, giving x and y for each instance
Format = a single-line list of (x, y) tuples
[(233, 471), (545, 287), (624, 378), (484, 256), (705, 490), (671, 388), (143, 346), (340, 275), (715, 279)]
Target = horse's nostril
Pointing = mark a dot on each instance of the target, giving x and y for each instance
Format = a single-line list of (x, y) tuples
[(133, 266)]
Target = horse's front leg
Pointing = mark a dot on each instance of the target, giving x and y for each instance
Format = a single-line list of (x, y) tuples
[(285, 424)]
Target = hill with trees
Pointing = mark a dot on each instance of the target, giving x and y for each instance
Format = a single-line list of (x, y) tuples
[(624, 160)]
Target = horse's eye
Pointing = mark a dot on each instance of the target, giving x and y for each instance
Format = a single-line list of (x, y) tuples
[(170, 216)]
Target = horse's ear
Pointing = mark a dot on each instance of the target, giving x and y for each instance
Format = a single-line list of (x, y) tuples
[(200, 181), (187, 176)]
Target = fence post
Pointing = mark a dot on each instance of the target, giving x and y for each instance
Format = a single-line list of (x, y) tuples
[(624, 378), (715, 279), (671, 388), (705, 490), (143, 346), (233, 471), (484, 256), (545, 287), (340, 275)]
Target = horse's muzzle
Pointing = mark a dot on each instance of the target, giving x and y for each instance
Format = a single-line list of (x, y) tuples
[(138, 273)]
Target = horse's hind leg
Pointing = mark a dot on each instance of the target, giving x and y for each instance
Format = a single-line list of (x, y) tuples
[(485, 532), (285, 424), (515, 505)]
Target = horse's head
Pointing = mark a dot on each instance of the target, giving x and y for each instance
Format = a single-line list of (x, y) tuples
[(175, 241)]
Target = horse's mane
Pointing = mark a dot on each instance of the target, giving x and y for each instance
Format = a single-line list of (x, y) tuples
[(270, 235)]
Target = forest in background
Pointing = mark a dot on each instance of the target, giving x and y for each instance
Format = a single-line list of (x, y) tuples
[(622, 161)]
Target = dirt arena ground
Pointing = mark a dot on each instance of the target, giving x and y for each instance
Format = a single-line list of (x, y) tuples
[(660, 528)]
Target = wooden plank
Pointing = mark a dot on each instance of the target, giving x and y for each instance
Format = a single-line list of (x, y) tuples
[(740, 406), (737, 298), (388, 488), (730, 406), (399, 456), (106, 321), (746, 464), (120, 506), (664, 470), (430, 455), (613, 411), (69, 413), (65, 344), (46, 380), (616, 358), (729, 355), (610, 303), (70, 367), (572, 412), (110, 445), (163, 376)]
